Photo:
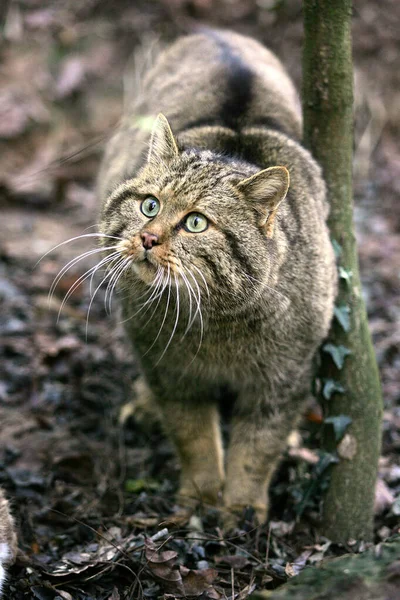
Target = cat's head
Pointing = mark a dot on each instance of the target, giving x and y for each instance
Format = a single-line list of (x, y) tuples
[(202, 220)]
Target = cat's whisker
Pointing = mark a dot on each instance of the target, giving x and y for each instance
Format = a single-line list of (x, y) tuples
[(176, 321), (106, 276), (76, 284), (156, 292), (79, 237), (266, 286), (164, 285), (166, 310), (72, 263), (111, 284), (251, 277), (120, 274), (112, 280), (152, 290), (102, 263), (197, 298), (190, 290), (198, 310), (203, 278)]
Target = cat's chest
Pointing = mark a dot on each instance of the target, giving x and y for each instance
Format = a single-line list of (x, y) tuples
[(219, 351)]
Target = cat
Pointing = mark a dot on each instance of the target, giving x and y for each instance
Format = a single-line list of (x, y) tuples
[(8, 539), (223, 259)]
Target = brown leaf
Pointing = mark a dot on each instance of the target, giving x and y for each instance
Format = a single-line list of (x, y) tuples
[(196, 582), (235, 562), (164, 568)]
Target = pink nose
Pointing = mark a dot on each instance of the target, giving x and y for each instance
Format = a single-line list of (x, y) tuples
[(149, 239)]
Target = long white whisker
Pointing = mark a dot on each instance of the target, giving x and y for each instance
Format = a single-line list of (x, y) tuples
[(269, 288), (175, 324), (164, 285), (79, 237), (203, 278), (157, 283), (108, 259), (113, 282), (75, 285), (73, 262), (166, 310), (106, 276), (198, 300), (151, 290), (191, 291)]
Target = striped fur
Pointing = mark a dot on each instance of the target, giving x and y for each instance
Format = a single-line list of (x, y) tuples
[(8, 540), (245, 303)]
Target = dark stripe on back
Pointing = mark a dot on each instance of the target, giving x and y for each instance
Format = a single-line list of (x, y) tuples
[(238, 92)]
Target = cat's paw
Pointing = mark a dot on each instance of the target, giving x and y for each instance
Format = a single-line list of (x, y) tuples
[(232, 515), (8, 539), (201, 492)]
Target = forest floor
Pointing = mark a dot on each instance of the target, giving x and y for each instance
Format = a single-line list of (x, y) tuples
[(94, 500)]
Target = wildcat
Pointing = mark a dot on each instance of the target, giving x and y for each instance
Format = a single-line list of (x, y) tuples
[(8, 539), (222, 256)]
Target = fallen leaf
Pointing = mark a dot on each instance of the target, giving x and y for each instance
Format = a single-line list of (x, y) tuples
[(196, 582), (164, 568), (235, 562)]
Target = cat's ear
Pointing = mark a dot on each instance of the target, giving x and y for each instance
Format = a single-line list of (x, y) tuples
[(163, 146), (266, 189)]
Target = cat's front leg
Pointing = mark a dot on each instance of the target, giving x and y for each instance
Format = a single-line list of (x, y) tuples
[(258, 437), (192, 424), (8, 539)]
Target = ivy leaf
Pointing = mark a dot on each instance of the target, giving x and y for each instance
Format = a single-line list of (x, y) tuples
[(337, 248), (325, 459), (345, 274), (135, 486), (342, 314), (340, 424), (317, 480), (338, 353), (330, 387)]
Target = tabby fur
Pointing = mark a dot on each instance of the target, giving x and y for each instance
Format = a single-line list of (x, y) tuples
[(8, 539), (226, 145)]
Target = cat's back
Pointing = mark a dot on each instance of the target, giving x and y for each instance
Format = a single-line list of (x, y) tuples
[(221, 78)]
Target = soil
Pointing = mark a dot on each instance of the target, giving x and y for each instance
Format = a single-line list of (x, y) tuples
[(94, 498)]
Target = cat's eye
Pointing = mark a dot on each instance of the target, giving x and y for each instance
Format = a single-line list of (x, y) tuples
[(150, 207), (196, 223)]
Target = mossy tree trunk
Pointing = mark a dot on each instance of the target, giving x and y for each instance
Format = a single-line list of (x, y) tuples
[(349, 372)]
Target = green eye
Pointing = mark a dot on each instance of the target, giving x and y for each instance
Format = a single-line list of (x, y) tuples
[(196, 223), (150, 207)]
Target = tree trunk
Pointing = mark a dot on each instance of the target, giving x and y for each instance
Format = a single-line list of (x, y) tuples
[(349, 372)]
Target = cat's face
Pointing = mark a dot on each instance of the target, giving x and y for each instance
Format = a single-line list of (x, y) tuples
[(196, 220)]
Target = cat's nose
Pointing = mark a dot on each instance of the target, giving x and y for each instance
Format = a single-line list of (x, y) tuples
[(149, 239)]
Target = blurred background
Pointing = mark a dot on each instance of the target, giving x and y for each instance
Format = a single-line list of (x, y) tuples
[(63, 64)]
